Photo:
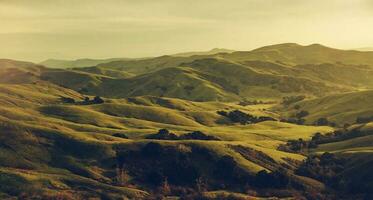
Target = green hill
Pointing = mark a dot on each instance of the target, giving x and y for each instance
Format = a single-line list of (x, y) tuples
[(200, 80), (200, 53), (188, 126), (51, 149), (294, 54), (339, 108)]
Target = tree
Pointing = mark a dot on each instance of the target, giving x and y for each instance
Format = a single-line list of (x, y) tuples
[(322, 121), (317, 136), (86, 100), (302, 114), (67, 100), (98, 100), (152, 149)]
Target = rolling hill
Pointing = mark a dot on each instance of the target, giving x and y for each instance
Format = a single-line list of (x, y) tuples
[(269, 72), (292, 54), (339, 108), (188, 125), (201, 53), (59, 147), (201, 80)]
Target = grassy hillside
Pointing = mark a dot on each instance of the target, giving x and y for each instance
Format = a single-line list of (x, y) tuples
[(270, 73), (339, 108), (200, 80), (59, 147), (188, 126), (294, 54), (201, 53)]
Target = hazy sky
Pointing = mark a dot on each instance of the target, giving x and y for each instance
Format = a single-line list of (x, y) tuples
[(39, 29)]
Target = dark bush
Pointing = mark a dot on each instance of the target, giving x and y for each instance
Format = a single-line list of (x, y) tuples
[(197, 135), (97, 100), (302, 114), (67, 100), (163, 134), (120, 135), (222, 113), (361, 120), (152, 149), (322, 122), (225, 166), (276, 179), (238, 116), (155, 178), (86, 100)]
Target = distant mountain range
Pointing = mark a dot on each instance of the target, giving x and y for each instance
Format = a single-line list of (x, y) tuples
[(267, 72), (201, 53), (87, 62)]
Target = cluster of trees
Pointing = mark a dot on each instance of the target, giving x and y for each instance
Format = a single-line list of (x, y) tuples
[(297, 146), (153, 164), (330, 169), (120, 135), (362, 120), (298, 118), (275, 179), (338, 135), (300, 145), (164, 134), (253, 102), (238, 116), (86, 101), (169, 167), (323, 121), (172, 170), (324, 168)]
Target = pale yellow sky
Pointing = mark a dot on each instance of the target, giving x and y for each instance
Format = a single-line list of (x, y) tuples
[(35, 30)]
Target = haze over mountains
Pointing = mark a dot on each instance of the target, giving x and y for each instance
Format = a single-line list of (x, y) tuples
[(281, 121)]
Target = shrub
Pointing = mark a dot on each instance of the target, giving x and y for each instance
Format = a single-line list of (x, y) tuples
[(152, 149), (197, 135), (67, 100), (238, 116), (302, 114), (361, 120), (120, 135), (322, 122), (98, 100), (276, 179), (163, 134)]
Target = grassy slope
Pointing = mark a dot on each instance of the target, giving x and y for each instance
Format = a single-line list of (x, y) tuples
[(295, 54), (200, 80), (340, 108), (47, 143), (268, 72)]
